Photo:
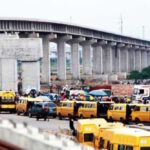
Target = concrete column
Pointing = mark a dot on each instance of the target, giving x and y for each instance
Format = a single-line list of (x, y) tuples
[(75, 59), (75, 64), (87, 62), (61, 60), (97, 59), (148, 58), (45, 78), (138, 59), (131, 56), (123, 59), (143, 58), (31, 75), (118, 57), (8, 74)]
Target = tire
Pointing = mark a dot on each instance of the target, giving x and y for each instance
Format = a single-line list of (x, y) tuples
[(92, 116), (137, 120), (69, 116), (30, 115), (54, 116), (59, 116), (110, 119), (37, 118), (121, 120), (18, 113), (45, 118), (81, 116)]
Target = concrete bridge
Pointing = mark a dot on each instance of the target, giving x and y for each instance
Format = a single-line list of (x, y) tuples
[(112, 53)]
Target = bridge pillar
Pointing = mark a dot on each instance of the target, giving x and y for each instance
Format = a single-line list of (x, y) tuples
[(143, 57), (97, 59), (8, 74), (131, 59), (61, 59), (30, 75), (75, 60), (148, 57), (86, 57), (137, 59)]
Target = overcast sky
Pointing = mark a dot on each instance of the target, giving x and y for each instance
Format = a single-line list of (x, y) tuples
[(101, 14)]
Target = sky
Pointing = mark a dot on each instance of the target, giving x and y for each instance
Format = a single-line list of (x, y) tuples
[(101, 14)]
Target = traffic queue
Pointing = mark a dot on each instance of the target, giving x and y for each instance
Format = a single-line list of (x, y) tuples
[(43, 107)]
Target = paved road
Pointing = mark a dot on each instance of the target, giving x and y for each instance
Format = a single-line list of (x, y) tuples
[(49, 125)]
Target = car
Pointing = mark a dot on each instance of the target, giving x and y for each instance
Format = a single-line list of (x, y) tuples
[(51, 96), (43, 110)]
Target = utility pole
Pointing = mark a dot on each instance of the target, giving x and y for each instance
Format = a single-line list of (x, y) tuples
[(143, 31), (70, 19), (121, 24)]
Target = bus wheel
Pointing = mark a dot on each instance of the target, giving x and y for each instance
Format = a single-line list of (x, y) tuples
[(110, 119), (137, 120), (81, 116), (92, 116), (30, 115), (121, 120), (59, 116), (69, 116), (18, 113)]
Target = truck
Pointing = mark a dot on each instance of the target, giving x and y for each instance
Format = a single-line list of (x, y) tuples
[(140, 92)]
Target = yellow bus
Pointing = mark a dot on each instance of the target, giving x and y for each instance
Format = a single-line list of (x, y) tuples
[(86, 129), (7, 101), (141, 113), (25, 103), (130, 139), (101, 133), (120, 112)]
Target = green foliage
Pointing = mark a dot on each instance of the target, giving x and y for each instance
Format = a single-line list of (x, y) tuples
[(144, 74)]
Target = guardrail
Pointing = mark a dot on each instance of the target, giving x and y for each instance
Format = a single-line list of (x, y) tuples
[(19, 136)]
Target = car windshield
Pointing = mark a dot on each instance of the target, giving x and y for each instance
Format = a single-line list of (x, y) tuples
[(50, 105)]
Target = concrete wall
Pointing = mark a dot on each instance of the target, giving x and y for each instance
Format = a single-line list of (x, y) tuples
[(8, 74), (24, 49), (31, 75)]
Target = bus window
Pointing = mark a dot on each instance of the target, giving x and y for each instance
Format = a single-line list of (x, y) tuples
[(101, 144), (88, 137), (141, 91), (108, 145), (129, 147), (137, 108), (121, 147), (145, 148), (143, 109)]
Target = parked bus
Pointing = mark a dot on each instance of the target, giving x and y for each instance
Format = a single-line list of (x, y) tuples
[(83, 109), (120, 112), (25, 103), (86, 129), (7, 101), (141, 113), (130, 139)]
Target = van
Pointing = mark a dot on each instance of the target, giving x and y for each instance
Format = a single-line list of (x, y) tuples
[(66, 109), (141, 113), (120, 112), (86, 129), (25, 103), (101, 133), (87, 109), (7, 101), (130, 139)]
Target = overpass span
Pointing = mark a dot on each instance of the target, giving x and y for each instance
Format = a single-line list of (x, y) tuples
[(112, 53)]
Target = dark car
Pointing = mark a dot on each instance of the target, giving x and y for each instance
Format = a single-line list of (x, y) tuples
[(43, 110)]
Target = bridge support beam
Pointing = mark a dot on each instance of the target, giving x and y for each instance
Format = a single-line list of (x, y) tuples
[(87, 62), (31, 75), (138, 59), (8, 74), (75, 60), (61, 59), (97, 59), (143, 57), (148, 58)]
